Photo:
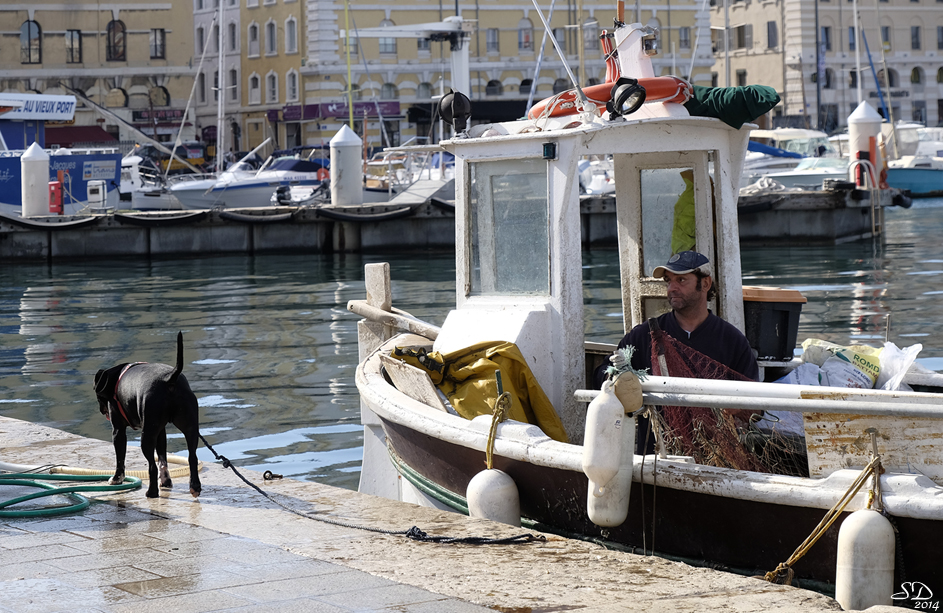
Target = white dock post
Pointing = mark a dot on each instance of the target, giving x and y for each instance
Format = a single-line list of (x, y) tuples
[(34, 182)]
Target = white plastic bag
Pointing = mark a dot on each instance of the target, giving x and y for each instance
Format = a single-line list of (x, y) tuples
[(895, 363), (804, 374)]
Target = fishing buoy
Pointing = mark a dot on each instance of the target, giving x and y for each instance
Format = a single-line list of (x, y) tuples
[(864, 571), (492, 494)]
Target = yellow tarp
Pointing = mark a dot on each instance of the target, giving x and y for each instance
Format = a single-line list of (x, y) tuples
[(466, 377)]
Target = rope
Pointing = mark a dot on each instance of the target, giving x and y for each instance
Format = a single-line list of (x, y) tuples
[(784, 572), (413, 533)]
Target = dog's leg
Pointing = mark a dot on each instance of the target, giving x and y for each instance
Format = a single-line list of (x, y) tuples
[(191, 434), (164, 474), (120, 440), (148, 440)]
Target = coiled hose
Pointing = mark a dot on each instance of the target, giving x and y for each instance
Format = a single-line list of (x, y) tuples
[(80, 502)]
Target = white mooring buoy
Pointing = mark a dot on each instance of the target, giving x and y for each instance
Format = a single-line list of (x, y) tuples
[(492, 494), (864, 571)]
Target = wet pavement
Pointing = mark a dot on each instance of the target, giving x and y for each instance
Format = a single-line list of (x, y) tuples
[(232, 549)]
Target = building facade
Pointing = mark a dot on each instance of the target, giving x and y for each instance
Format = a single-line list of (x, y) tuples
[(132, 57), (774, 42)]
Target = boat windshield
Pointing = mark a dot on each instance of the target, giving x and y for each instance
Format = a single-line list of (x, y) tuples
[(510, 249), (822, 163)]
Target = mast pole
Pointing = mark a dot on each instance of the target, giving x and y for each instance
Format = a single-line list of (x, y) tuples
[(220, 93)]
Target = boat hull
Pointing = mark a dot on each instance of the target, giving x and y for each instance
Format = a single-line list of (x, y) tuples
[(921, 182), (736, 520)]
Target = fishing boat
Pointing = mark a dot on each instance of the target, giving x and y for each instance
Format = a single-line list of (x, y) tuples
[(921, 175), (519, 281)]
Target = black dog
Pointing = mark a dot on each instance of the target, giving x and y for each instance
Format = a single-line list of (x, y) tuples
[(147, 397)]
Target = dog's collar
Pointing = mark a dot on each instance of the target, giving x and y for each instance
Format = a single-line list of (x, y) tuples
[(126, 368)]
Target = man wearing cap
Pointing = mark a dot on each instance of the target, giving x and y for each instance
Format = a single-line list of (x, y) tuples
[(690, 286)]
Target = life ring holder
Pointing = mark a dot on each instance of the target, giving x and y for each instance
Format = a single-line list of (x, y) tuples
[(657, 89)]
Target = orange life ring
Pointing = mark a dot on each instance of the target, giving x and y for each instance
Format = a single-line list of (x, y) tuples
[(657, 89), (323, 174)]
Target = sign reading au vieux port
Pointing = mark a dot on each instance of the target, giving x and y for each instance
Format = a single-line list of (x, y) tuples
[(41, 106), (339, 109)]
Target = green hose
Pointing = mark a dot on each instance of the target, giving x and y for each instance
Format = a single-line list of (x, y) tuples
[(80, 502)]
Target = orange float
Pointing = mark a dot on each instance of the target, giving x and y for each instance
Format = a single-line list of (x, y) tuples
[(657, 89)]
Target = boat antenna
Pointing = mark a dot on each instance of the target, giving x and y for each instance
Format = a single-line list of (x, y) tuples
[(383, 135), (540, 59), (579, 91), (186, 111)]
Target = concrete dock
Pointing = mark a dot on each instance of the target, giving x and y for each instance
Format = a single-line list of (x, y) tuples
[(232, 549)]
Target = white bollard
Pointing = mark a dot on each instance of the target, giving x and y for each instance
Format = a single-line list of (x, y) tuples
[(864, 570), (492, 494), (34, 184), (863, 125), (346, 168)]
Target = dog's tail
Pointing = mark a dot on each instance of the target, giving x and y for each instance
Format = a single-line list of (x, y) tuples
[(179, 368)]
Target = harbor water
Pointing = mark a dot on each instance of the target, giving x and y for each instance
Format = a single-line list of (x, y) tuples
[(270, 348)]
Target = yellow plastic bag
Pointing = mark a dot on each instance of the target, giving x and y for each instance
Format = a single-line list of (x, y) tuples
[(466, 377)]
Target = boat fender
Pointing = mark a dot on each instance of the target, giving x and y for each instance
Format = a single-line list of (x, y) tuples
[(864, 569), (602, 440), (492, 494)]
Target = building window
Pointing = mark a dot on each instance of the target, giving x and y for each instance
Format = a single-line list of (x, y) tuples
[(891, 78), (254, 40), (916, 76), (422, 44), (233, 37), (525, 36), (291, 35), (829, 79), (684, 37), (919, 111), (714, 79), (560, 35), (271, 38), (355, 92), (591, 35), (525, 86), (939, 77), (826, 39), (491, 37), (741, 78), (772, 35), (886, 37), (915, 38), (939, 37), (233, 85), (200, 41), (73, 46), (158, 42), (560, 85), (199, 5), (201, 88), (31, 46), (743, 37), (424, 91), (494, 88), (853, 78), (271, 90), (216, 86), (389, 92), (116, 45), (291, 86), (255, 90), (852, 42), (387, 45)]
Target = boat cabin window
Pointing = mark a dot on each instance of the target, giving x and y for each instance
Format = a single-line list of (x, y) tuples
[(508, 222), (667, 214)]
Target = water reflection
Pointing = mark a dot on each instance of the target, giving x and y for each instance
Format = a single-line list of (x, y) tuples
[(270, 347)]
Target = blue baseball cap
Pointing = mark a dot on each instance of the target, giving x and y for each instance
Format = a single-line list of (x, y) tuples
[(684, 263)]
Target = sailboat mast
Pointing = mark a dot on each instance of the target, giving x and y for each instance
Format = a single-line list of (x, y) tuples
[(854, 10), (220, 91)]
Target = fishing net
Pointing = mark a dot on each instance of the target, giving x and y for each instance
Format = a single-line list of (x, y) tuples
[(718, 437)]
